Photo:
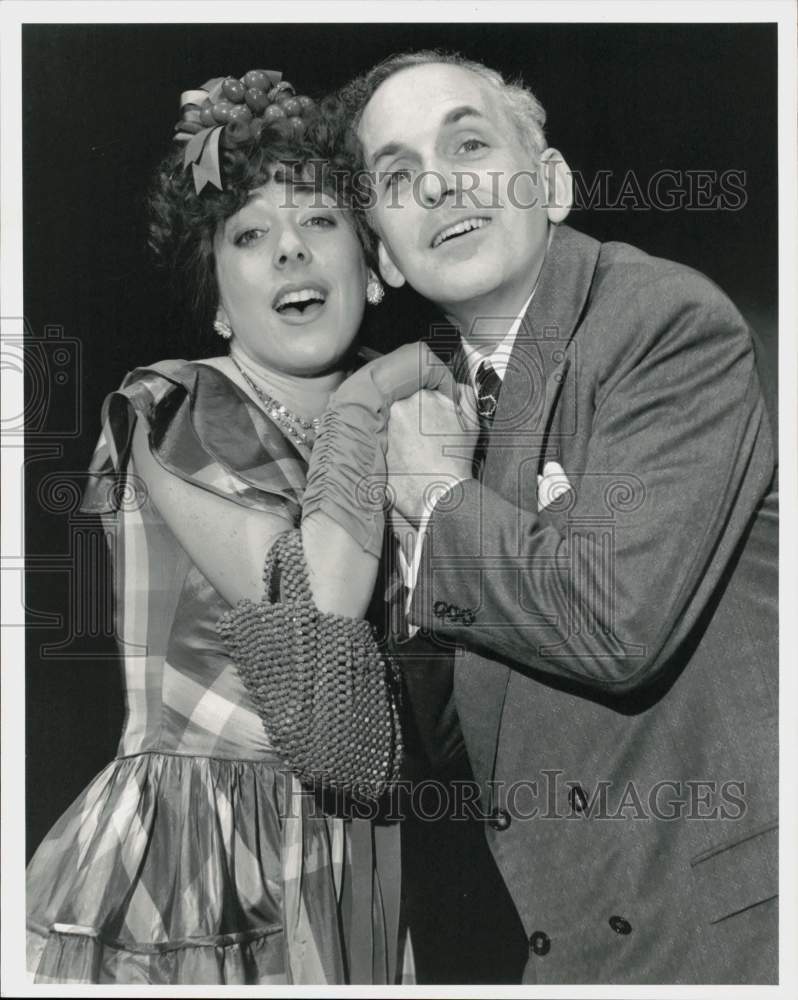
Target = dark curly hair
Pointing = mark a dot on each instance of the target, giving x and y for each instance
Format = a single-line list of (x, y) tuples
[(182, 223)]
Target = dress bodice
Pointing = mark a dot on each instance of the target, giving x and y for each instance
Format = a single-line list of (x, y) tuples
[(183, 692)]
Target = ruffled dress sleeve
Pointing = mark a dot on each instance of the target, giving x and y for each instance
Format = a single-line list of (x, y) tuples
[(202, 428)]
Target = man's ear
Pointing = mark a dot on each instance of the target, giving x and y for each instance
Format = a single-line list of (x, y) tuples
[(558, 183), (390, 272)]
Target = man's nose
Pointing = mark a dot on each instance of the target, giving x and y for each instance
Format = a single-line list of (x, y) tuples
[(291, 249), (436, 184)]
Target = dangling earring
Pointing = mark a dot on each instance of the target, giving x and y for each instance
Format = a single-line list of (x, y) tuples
[(374, 290), (222, 329)]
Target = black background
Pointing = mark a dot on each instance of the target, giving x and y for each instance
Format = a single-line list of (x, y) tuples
[(99, 103)]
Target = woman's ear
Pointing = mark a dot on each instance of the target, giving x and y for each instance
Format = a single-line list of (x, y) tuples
[(221, 315), (389, 271), (558, 184)]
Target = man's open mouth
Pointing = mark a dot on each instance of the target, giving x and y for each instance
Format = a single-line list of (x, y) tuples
[(299, 301), (459, 229)]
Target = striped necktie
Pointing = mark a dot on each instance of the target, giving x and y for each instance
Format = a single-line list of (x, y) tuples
[(488, 385)]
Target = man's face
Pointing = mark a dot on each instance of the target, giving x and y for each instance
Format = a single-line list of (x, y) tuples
[(454, 186)]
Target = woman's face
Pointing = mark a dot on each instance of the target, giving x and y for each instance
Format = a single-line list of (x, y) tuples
[(292, 279)]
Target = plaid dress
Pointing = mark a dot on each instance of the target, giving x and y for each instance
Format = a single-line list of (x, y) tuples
[(195, 857)]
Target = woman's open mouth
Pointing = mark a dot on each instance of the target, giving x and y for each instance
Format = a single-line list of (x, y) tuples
[(300, 302)]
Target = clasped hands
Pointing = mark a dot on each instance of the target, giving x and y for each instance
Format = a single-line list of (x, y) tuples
[(431, 428), (431, 441)]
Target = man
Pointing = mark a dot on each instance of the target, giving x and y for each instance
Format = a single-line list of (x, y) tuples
[(617, 693)]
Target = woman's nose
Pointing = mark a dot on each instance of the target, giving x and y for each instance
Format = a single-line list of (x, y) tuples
[(291, 249)]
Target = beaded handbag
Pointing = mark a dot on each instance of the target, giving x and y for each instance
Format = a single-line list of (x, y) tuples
[(326, 693)]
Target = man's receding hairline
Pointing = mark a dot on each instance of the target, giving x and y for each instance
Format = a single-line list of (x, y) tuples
[(493, 87), (425, 65)]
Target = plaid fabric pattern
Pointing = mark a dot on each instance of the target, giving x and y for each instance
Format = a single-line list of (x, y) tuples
[(188, 870), (205, 430), (194, 857)]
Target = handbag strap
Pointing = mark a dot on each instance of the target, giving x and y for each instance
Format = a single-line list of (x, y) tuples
[(284, 574)]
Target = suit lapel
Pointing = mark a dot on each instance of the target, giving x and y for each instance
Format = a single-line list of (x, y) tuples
[(536, 373), (542, 354)]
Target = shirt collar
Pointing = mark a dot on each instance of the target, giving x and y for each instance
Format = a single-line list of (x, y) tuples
[(499, 357)]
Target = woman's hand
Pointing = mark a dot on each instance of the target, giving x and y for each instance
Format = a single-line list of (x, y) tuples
[(395, 376), (347, 471)]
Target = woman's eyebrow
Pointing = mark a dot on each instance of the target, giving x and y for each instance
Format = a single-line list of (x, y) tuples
[(389, 149)]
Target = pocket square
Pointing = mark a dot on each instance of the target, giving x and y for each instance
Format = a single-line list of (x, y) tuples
[(552, 484)]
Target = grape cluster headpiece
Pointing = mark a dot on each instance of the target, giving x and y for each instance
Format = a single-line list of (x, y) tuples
[(233, 112)]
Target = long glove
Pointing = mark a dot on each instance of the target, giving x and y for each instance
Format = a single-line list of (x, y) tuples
[(348, 471)]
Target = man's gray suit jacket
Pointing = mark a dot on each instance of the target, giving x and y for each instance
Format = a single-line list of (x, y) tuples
[(618, 686)]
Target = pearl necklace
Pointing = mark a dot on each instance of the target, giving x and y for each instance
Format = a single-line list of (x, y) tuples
[(301, 430)]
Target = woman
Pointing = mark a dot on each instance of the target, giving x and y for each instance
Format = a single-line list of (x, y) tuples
[(193, 858)]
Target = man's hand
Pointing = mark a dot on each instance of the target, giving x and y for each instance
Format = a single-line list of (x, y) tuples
[(430, 448)]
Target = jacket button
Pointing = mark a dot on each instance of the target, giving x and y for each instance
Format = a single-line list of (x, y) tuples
[(620, 925), (577, 799), (499, 819), (540, 943)]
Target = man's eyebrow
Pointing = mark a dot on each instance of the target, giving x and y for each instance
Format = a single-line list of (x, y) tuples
[(465, 111), (451, 118)]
